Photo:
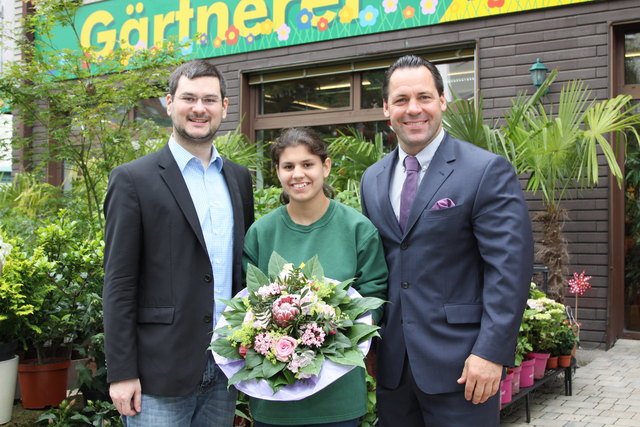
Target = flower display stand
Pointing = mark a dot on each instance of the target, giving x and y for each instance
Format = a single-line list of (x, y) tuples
[(549, 374)]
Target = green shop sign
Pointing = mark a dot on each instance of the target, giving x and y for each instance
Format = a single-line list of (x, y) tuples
[(217, 28)]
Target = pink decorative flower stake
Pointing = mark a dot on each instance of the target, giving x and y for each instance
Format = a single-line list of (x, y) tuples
[(579, 285)]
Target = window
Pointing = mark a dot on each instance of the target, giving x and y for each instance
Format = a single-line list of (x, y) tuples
[(333, 98)]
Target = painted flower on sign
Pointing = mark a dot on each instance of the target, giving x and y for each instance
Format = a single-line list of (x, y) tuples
[(266, 27), (495, 3), (187, 46), (323, 24), (428, 6), (203, 38), (408, 12), (217, 42), (232, 34), (250, 38), (283, 32), (346, 15), (390, 5), (368, 16), (304, 19)]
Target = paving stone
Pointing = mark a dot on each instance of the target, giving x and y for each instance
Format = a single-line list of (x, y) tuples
[(606, 392)]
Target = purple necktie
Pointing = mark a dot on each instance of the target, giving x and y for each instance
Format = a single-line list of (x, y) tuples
[(409, 188)]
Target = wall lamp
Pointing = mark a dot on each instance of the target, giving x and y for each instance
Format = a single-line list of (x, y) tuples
[(538, 73)]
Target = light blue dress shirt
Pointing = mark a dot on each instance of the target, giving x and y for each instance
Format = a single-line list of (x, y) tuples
[(210, 196), (397, 179)]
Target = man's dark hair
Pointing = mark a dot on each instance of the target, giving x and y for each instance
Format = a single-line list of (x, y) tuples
[(412, 61), (194, 69)]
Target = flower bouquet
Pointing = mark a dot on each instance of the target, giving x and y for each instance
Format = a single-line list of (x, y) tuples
[(288, 335)]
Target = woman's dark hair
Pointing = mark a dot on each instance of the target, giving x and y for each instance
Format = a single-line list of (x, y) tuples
[(292, 137)]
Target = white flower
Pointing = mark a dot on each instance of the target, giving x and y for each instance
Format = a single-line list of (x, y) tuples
[(536, 304), (5, 250), (286, 271)]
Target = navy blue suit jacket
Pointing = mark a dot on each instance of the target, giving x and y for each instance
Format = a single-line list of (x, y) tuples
[(458, 277)]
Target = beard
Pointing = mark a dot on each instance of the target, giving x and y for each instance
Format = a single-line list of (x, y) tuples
[(182, 132)]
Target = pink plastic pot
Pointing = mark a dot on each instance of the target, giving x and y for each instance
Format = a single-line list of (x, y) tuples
[(526, 372)]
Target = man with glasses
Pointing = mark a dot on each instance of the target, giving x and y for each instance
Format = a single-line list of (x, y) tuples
[(175, 223)]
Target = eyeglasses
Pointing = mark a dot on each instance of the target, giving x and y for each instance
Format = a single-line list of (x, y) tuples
[(207, 100)]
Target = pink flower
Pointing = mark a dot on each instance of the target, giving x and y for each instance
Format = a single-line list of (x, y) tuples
[(262, 343), (284, 348), (285, 309), (312, 335), (243, 350), (271, 289)]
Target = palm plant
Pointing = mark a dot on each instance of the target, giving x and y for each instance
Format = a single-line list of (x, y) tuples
[(558, 152), (351, 154)]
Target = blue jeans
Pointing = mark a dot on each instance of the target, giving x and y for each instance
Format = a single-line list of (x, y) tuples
[(211, 405)]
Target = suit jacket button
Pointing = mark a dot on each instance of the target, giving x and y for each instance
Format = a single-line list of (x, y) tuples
[(207, 278), (404, 245), (405, 285), (207, 319)]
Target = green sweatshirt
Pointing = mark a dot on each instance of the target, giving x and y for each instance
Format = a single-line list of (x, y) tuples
[(347, 245)]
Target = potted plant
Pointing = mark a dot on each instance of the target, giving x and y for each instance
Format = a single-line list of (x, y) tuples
[(566, 339), (542, 318), (62, 278), (13, 310)]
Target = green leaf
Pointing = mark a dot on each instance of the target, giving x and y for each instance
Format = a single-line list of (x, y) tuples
[(352, 357), (358, 306), (244, 375), (270, 369), (360, 332), (254, 359), (236, 304), (315, 367), (276, 262), (224, 348), (312, 268), (255, 278)]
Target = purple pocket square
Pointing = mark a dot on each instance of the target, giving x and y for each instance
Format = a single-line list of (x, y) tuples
[(443, 204)]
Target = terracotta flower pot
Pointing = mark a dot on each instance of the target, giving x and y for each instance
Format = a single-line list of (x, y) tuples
[(43, 385), (552, 362), (564, 361)]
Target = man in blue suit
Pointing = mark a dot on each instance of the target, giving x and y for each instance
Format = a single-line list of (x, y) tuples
[(460, 257)]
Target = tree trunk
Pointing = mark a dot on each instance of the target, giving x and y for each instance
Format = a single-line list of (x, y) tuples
[(552, 251)]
